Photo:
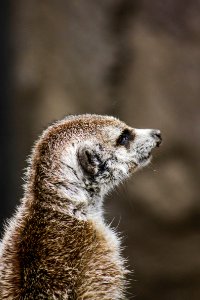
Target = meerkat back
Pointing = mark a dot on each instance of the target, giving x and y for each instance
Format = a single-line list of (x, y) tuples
[(57, 245)]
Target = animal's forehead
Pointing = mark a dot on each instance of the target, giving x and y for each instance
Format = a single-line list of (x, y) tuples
[(103, 127), (80, 128), (92, 124), (83, 127)]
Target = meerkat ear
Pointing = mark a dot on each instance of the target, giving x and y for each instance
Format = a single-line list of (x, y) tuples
[(89, 160)]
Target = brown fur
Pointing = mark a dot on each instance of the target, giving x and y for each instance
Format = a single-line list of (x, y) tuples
[(51, 255), (57, 245), (52, 251)]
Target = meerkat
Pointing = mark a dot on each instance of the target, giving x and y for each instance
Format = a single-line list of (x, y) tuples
[(57, 245)]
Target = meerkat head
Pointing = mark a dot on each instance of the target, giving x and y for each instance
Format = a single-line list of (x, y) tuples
[(81, 158)]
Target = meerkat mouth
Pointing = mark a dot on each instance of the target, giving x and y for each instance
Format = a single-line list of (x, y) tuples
[(145, 158)]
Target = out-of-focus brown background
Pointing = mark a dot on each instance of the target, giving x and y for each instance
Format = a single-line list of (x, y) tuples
[(139, 61)]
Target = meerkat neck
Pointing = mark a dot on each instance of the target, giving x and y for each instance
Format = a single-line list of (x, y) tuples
[(69, 198), (83, 203), (67, 189)]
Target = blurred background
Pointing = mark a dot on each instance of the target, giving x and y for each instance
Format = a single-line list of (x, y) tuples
[(139, 61)]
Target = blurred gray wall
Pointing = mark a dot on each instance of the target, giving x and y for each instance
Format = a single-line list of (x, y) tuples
[(137, 60)]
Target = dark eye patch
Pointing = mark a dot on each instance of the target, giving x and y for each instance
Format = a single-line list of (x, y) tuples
[(125, 137)]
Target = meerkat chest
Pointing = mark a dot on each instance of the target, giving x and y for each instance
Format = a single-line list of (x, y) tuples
[(104, 268), (107, 245), (108, 236)]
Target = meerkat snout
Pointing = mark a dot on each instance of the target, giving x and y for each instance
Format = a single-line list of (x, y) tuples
[(141, 146), (58, 245), (156, 134)]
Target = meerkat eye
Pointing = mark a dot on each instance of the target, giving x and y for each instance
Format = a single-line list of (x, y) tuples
[(125, 137)]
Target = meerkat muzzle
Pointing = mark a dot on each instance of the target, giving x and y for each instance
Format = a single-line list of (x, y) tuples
[(156, 134)]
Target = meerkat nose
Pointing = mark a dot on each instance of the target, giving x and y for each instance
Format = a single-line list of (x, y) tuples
[(156, 134)]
